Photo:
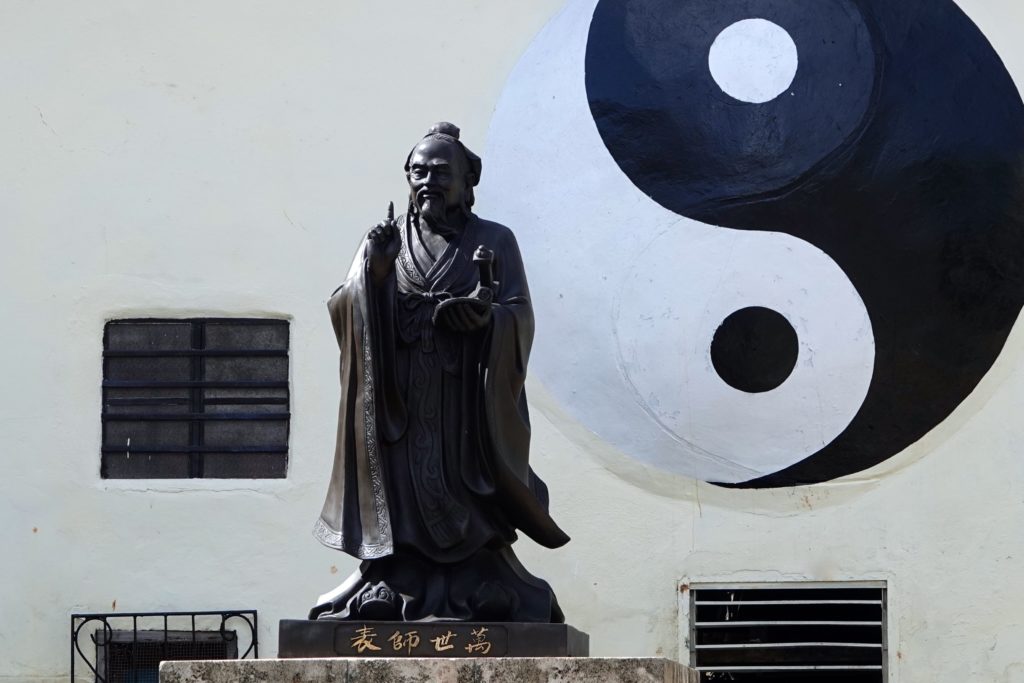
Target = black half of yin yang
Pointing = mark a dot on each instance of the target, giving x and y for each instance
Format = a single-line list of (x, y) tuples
[(898, 150)]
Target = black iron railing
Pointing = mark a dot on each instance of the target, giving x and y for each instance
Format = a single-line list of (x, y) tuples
[(125, 647)]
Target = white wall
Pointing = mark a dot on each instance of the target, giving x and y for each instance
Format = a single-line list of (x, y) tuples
[(224, 159)]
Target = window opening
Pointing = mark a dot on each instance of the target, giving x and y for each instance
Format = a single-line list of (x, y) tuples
[(195, 398)]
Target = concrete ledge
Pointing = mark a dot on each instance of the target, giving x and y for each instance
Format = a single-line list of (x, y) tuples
[(432, 670)]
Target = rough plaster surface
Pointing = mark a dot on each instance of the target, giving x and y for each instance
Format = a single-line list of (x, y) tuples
[(524, 670), (273, 135)]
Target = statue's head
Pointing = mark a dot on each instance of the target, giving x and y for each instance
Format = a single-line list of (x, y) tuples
[(442, 174)]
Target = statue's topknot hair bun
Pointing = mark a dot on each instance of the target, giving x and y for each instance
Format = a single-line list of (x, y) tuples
[(444, 128)]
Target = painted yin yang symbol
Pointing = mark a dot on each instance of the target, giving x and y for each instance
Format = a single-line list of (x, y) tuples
[(770, 242)]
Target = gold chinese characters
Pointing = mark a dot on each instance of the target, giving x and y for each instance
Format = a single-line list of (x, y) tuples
[(417, 643), (364, 640), (407, 641)]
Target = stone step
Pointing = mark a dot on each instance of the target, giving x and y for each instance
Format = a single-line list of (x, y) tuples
[(431, 670)]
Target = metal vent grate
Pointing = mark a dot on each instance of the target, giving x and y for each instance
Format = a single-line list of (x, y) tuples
[(134, 657), (800, 632), (200, 397)]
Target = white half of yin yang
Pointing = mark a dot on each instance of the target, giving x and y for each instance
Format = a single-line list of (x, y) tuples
[(628, 295)]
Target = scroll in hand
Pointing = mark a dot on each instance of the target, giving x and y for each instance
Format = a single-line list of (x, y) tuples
[(465, 314)]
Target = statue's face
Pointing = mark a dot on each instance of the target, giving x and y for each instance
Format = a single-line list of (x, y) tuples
[(437, 177)]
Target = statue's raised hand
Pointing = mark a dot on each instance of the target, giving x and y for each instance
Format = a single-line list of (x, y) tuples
[(383, 244)]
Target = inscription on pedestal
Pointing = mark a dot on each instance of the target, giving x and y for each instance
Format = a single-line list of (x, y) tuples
[(326, 638), (421, 640)]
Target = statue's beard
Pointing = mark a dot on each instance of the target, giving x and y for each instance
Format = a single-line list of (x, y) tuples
[(441, 218), (433, 210)]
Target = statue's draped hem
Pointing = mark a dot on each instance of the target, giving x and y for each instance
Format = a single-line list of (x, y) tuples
[(355, 517), (335, 539)]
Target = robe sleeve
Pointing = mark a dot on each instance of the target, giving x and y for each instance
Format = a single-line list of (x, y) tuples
[(518, 491), (355, 516)]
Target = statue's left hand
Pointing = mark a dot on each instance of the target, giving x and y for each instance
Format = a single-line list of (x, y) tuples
[(465, 314)]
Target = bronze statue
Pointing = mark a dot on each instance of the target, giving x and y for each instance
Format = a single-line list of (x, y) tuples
[(431, 476)]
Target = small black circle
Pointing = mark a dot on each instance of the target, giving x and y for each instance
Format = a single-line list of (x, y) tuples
[(755, 350)]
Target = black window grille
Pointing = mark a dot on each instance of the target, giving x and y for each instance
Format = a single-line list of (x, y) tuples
[(799, 632), (191, 398), (128, 647)]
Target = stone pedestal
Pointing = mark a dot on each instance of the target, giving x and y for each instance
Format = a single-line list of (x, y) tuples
[(434, 670)]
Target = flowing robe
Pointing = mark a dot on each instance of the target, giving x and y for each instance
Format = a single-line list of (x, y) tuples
[(433, 429)]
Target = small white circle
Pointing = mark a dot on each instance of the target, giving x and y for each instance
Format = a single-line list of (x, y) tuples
[(753, 60)]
